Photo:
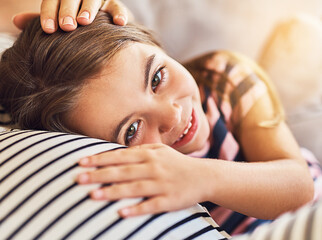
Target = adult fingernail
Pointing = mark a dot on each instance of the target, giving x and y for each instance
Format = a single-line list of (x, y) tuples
[(120, 19), (83, 178), (13, 17), (84, 14), (97, 194), (49, 24), (68, 21)]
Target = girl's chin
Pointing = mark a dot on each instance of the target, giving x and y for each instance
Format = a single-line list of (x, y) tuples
[(194, 146), (199, 141)]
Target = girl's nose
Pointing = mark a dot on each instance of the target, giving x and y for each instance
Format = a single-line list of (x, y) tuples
[(169, 116)]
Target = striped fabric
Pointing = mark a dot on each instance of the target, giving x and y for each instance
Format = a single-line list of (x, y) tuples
[(305, 224), (235, 89), (40, 199), (229, 88)]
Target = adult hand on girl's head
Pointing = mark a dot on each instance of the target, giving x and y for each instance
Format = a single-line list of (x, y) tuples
[(170, 179), (67, 14)]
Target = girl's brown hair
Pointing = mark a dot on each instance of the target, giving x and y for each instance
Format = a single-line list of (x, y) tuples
[(41, 75)]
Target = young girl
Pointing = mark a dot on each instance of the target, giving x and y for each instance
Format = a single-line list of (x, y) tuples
[(210, 132)]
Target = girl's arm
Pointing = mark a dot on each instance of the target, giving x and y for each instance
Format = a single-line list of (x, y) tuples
[(275, 180), (278, 182)]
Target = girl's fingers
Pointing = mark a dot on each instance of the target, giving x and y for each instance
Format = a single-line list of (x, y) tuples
[(143, 188), (118, 11), (115, 174), (67, 14), (48, 15), (88, 11), (22, 19), (121, 156), (150, 206)]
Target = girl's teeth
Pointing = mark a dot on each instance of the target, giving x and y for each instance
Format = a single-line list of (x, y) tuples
[(186, 130)]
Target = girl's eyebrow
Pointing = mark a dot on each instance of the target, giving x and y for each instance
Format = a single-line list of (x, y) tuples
[(148, 65), (120, 125)]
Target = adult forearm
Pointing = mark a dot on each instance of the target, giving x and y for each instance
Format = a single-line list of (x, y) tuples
[(262, 189)]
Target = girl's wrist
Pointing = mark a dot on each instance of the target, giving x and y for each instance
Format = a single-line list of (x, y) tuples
[(210, 184)]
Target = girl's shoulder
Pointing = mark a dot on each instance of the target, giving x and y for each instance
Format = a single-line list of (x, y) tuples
[(234, 81), (228, 65)]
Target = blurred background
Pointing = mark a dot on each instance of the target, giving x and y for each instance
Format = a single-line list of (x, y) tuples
[(283, 36)]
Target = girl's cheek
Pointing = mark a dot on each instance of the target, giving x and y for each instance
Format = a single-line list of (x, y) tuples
[(151, 136)]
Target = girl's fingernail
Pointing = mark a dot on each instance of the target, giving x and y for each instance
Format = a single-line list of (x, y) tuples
[(84, 14), (83, 178), (97, 194), (84, 161), (125, 212), (49, 24), (68, 21)]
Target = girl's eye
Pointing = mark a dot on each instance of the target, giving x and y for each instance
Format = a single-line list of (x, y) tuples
[(131, 131), (156, 79)]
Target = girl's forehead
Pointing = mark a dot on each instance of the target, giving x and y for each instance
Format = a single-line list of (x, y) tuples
[(132, 61)]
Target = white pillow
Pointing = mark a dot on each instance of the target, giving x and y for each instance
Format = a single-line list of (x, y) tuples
[(40, 199), (6, 41), (4, 119)]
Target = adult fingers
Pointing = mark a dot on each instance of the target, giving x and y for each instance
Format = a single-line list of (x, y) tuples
[(67, 14), (48, 15), (118, 11), (88, 11), (22, 19)]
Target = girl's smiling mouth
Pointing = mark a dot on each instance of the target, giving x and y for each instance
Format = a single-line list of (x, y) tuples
[(188, 133)]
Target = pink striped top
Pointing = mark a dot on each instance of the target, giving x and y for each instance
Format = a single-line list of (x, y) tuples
[(229, 88)]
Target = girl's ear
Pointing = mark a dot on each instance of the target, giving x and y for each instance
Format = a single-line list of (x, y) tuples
[(20, 20)]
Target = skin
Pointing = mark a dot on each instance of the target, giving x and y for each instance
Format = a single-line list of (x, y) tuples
[(144, 170), (160, 113), (67, 14), (171, 179)]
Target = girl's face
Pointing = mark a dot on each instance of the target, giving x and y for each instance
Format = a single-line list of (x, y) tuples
[(143, 96)]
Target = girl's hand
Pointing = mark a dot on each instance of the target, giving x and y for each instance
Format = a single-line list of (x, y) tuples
[(66, 14), (169, 179)]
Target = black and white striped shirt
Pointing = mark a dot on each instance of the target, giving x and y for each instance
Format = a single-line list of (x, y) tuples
[(40, 199)]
